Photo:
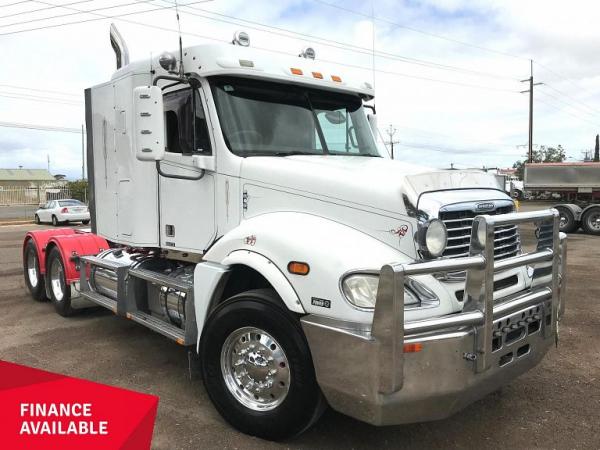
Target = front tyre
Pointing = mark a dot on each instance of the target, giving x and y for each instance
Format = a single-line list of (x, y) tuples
[(257, 367), (34, 280), (60, 291)]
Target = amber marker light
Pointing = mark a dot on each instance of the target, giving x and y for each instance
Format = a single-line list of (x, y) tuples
[(413, 348), (296, 71), (318, 75), (336, 78), (298, 268)]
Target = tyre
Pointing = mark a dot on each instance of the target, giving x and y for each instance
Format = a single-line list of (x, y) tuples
[(257, 367), (567, 224), (31, 271), (590, 221), (85, 222), (37, 219), (60, 291), (55, 221)]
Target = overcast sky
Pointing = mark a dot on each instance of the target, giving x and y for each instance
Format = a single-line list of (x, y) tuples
[(449, 102)]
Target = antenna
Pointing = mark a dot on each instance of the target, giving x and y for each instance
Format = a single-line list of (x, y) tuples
[(373, 44), (181, 71)]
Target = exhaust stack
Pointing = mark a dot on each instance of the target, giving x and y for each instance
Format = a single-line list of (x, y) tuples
[(118, 44)]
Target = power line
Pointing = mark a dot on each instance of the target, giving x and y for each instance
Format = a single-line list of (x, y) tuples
[(416, 30), (115, 16), (39, 127), (118, 16), (43, 9), (568, 104), (78, 11), (38, 99), (334, 43), (562, 77), (567, 112), (15, 3), (39, 90), (573, 98)]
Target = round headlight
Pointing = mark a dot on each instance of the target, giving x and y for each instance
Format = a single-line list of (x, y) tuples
[(436, 237)]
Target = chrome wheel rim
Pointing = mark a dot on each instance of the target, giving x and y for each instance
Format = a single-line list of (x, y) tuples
[(56, 280), (255, 369), (594, 221), (32, 271)]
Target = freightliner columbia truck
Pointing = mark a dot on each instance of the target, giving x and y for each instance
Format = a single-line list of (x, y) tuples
[(241, 207)]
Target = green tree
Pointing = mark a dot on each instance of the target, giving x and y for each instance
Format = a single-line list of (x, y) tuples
[(79, 190), (543, 154)]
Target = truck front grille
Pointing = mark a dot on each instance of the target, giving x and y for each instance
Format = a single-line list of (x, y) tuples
[(459, 223)]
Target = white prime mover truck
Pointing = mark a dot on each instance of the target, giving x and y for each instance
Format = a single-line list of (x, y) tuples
[(240, 206)]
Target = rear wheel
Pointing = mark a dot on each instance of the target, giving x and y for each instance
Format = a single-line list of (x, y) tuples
[(55, 221), (567, 224), (60, 291), (590, 221), (257, 367), (31, 271)]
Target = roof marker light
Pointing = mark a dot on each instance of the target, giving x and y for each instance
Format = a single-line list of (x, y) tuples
[(336, 78), (241, 38), (318, 75), (296, 71), (308, 53)]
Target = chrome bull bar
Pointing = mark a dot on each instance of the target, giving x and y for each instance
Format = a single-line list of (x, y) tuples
[(389, 328)]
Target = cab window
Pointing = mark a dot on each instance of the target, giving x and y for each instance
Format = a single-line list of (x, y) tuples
[(185, 122)]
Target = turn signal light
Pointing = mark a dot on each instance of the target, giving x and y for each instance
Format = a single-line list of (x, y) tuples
[(296, 71), (413, 348), (336, 78), (298, 268)]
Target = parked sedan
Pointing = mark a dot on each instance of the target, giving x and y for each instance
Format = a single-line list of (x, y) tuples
[(63, 211)]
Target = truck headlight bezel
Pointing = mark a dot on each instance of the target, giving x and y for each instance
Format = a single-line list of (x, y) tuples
[(416, 295), (432, 238)]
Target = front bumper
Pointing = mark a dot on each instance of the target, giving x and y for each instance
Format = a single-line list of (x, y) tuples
[(400, 372)]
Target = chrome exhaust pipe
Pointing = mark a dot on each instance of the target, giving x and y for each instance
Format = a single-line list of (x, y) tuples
[(118, 44)]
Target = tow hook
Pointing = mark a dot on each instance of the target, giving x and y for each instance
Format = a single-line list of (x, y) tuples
[(469, 356)]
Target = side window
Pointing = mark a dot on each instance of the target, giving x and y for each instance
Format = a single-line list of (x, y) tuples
[(201, 127), (186, 129), (178, 117), (338, 131)]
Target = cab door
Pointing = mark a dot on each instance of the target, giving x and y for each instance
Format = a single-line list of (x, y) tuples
[(187, 174)]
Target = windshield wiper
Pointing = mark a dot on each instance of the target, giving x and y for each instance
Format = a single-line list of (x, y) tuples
[(296, 152)]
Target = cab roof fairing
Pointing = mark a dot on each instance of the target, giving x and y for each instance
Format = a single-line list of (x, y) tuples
[(226, 59)]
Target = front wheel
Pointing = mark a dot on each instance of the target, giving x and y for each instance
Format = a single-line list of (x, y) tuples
[(37, 219), (257, 367), (60, 291)]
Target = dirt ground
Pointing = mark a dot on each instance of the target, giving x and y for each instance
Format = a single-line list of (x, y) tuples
[(554, 406)]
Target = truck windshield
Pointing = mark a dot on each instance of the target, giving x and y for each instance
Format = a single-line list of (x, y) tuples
[(260, 118)]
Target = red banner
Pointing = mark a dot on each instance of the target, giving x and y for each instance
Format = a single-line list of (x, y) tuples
[(40, 409)]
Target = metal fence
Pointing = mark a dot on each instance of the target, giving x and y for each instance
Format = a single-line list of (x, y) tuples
[(25, 195)]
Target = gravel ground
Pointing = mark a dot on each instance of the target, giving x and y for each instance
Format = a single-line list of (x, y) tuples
[(555, 405)]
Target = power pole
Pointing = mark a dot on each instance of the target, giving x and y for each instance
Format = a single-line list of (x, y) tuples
[(597, 149), (390, 132), (530, 90), (82, 156)]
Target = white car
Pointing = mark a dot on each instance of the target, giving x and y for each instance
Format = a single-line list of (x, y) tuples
[(63, 211)]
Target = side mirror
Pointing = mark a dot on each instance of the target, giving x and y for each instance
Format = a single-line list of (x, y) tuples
[(372, 118), (148, 123)]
